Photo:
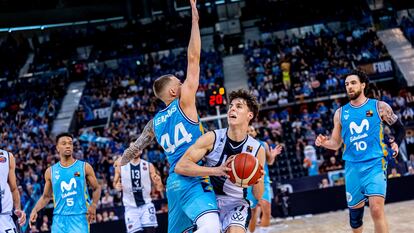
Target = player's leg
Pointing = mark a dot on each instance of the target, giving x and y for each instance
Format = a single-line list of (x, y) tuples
[(266, 213), (253, 220), (198, 202), (376, 191), (354, 195), (376, 205)]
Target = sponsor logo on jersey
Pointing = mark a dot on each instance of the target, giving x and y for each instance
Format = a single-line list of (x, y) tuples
[(77, 174), (249, 149), (68, 188), (2, 159), (369, 113), (354, 128)]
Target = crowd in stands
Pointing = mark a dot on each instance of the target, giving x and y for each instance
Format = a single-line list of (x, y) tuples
[(289, 69), (407, 25)]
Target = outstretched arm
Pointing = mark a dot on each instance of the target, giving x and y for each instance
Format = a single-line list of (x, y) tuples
[(140, 144), (190, 85), (272, 153), (188, 166), (335, 142), (389, 117)]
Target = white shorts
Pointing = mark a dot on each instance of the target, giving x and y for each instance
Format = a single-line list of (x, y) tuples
[(7, 224), (233, 212), (137, 218)]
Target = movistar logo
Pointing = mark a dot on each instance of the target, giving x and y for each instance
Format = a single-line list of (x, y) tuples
[(354, 128), (65, 186)]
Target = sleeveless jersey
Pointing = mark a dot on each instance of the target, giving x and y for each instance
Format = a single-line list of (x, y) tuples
[(175, 132), (221, 151), (136, 184), (70, 194), (362, 132), (6, 200)]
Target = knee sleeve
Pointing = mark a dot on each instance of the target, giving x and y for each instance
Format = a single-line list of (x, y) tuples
[(208, 223), (355, 217)]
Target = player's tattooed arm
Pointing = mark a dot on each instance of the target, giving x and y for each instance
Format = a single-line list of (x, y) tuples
[(386, 113), (140, 144)]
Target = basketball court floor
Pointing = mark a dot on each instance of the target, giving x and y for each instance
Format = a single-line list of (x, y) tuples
[(400, 220)]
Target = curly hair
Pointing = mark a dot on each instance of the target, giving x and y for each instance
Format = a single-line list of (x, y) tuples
[(250, 99), (363, 78)]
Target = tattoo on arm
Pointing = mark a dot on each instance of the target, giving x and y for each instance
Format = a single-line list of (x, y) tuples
[(140, 144), (387, 114)]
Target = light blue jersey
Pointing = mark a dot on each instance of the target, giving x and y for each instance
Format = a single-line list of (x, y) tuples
[(188, 197), (364, 152), (69, 189), (175, 132), (362, 132), (70, 198)]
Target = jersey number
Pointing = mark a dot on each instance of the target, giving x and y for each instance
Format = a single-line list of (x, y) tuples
[(180, 136), (360, 145), (69, 201)]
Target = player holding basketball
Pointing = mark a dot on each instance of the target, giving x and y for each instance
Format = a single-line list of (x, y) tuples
[(138, 177), (9, 194), (191, 200), (66, 184), (216, 148), (359, 125), (264, 204)]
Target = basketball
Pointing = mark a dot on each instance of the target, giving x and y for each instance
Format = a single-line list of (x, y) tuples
[(245, 170)]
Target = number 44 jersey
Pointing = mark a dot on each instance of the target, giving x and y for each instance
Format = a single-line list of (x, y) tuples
[(175, 132)]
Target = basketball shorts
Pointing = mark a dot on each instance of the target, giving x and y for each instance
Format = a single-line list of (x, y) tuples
[(233, 212), (365, 179), (7, 224), (267, 195), (70, 224), (137, 218), (188, 199)]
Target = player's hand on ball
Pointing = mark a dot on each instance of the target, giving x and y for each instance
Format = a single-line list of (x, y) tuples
[(320, 140), (21, 215), (91, 213), (262, 172)]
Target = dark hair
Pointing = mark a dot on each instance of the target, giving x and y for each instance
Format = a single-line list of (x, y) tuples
[(160, 83), (61, 135), (250, 99), (363, 78)]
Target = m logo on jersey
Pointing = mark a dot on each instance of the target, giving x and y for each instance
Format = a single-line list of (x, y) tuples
[(354, 128), (65, 186)]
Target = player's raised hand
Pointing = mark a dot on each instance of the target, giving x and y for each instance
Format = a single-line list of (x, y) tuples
[(274, 152), (194, 11), (320, 140)]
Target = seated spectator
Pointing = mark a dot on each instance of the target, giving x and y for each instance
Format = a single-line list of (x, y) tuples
[(394, 173), (324, 184), (410, 171), (333, 165)]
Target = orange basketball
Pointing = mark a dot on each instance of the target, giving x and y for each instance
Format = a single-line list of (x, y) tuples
[(245, 170)]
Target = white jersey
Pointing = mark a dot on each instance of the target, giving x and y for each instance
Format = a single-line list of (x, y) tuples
[(136, 184), (222, 150), (6, 200)]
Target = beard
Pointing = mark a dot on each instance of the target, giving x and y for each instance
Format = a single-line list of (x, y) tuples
[(355, 95)]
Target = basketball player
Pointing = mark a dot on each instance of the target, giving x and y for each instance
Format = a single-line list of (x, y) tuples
[(264, 204), (359, 125), (191, 200), (66, 184), (135, 181), (9, 195), (217, 148)]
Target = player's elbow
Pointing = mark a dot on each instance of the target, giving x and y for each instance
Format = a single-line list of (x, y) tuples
[(180, 167)]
